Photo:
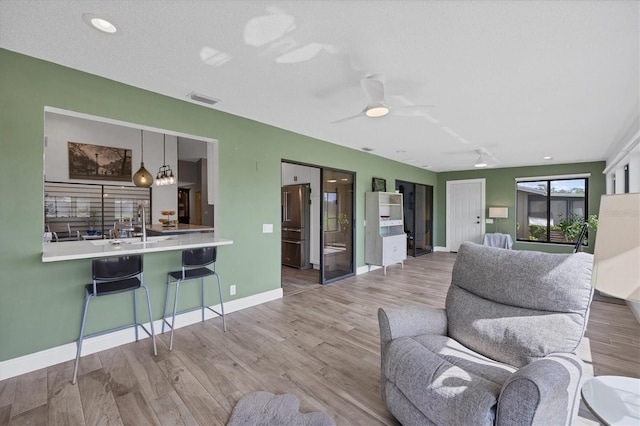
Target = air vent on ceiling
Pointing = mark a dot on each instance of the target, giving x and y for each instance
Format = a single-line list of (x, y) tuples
[(202, 98)]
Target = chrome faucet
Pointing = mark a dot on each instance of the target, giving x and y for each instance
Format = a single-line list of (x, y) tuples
[(143, 222)]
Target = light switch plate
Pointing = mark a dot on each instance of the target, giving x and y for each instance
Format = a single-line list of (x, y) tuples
[(267, 228), (488, 221)]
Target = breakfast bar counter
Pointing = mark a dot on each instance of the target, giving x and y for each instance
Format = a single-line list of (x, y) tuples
[(54, 252)]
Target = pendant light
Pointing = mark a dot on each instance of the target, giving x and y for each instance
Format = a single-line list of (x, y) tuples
[(165, 174), (142, 177)]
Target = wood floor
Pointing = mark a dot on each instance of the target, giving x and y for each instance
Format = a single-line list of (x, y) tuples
[(297, 280), (320, 344)]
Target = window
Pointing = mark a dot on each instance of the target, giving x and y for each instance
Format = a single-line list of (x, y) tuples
[(92, 206), (546, 206), (626, 179)]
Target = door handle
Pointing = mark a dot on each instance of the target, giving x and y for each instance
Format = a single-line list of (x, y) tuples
[(292, 242)]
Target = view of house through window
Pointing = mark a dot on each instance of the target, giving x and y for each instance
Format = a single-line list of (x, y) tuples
[(545, 208)]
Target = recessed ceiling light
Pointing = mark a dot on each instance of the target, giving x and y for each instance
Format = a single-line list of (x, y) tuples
[(100, 24), (547, 157), (426, 166)]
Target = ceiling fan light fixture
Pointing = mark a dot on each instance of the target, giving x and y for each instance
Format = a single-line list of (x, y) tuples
[(481, 161), (377, 111)]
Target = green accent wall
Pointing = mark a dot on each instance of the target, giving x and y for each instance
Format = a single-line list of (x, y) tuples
[(41, 303), (500, 186)]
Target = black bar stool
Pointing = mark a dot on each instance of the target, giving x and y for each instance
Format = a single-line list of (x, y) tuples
[(194, 265), (113, 275)]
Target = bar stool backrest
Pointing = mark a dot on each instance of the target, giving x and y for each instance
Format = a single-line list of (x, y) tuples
[(197, 257), (116, 268)]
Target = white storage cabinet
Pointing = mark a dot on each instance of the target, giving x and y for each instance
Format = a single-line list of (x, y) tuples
[(385, 239)]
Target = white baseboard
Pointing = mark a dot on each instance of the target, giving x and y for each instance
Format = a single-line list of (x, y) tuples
[(48, 357), (439, 248), (366, 268)]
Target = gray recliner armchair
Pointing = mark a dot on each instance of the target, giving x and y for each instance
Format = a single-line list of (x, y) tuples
[(502, 352)]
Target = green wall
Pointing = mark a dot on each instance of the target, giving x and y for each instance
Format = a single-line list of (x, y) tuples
[(41, 303), (500, 186)]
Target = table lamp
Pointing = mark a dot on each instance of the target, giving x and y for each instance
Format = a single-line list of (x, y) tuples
[(499, 213)]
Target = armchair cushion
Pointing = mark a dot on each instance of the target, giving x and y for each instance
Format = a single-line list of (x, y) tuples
[(448, 383), (511, 305)]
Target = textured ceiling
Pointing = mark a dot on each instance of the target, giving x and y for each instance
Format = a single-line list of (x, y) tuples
[(518, 80)]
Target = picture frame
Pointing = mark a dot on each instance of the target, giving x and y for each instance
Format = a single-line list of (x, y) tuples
[(96, 162), (378, 185)]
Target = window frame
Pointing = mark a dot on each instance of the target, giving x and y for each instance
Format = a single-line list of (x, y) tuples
[(549, 180)]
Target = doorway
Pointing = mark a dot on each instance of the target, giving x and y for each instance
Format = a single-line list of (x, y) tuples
[(331, 234), (338, 202), (465, 212), (294, 279), (418, 214)]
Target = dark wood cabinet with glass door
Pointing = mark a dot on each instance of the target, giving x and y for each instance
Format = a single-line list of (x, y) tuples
[(418, 216), (183, 205)]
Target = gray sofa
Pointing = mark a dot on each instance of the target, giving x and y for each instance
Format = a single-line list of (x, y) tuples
[(501, 352)]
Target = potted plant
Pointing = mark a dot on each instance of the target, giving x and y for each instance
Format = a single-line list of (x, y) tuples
[(91, 221), (343, 221), (571, 227)]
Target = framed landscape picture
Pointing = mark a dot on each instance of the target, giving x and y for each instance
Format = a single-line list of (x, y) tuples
[(99, 162), (378, 185)]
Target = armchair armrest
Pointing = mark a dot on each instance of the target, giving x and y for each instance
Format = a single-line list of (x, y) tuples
[(411, 321), (542, 392), (407, 321)]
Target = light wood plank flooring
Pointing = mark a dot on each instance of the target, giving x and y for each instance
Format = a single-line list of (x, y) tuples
[(297, 280), (320, 344)]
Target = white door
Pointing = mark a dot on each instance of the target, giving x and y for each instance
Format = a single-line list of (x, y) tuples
[(465, 212)]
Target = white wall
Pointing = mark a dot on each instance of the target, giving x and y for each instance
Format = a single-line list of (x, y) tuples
[(293, 174), (60, 129)]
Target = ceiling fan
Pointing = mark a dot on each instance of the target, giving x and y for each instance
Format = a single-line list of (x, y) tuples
[(373, 88)]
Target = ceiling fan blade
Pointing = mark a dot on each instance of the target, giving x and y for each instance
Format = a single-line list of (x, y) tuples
[(342, 120), (373, 90), (413, 110)]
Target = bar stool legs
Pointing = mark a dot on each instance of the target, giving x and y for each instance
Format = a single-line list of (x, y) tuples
[(202, 307), (136, 324), (84, 320)]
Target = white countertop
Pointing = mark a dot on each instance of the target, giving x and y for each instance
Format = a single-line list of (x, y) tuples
[(70, 250)]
